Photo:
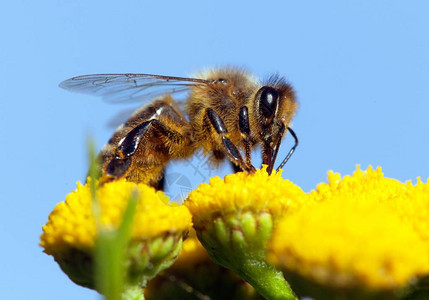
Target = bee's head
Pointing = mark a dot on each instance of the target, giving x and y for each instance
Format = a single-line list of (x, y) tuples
[(275, 106)]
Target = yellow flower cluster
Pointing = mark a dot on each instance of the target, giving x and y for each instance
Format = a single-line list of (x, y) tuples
[(240, 192), (72, 225), (358, 232), (363, 229)]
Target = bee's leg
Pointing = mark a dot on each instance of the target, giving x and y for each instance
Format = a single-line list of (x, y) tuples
[(231, 149), (128, 145), (236, 168), (243, 122), (158, 134)]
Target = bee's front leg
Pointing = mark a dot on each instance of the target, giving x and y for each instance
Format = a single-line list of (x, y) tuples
[(243, 122), (231, 150)]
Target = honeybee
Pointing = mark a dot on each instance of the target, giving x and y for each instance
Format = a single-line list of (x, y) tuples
[(227, 112)]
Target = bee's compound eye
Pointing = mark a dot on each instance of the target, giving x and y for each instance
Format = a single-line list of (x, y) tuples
[(268, 101)]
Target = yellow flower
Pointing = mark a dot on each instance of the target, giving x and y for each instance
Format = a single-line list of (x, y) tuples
[(243, 192), (72, 224), (234, 219), (356, 237), (410, 202), (156, 234)]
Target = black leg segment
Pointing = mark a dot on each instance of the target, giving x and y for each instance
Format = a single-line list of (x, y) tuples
[(236, 168), (232, 150), (244, 125), (128, 145), (216, 121), (243, 121)]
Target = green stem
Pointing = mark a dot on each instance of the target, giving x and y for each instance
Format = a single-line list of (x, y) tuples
[(267, 280)]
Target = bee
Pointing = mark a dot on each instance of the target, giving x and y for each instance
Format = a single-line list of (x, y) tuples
[(226, 113)]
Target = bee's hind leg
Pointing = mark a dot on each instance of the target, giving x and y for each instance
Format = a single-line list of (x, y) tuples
[(146, 143)]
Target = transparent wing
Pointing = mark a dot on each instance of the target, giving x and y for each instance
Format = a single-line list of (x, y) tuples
[(129, 87), (120, 117)]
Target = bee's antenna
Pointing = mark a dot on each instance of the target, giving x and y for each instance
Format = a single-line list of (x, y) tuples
[(291, 151)]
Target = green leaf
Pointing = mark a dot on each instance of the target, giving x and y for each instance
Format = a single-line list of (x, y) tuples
[(111, 245)]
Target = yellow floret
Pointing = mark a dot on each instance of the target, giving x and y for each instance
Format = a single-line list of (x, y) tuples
[(371, 185), (412, 206), (410, 202), (240, 192), (72, 225)]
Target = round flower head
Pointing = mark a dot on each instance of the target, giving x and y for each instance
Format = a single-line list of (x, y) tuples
[(156, 232), (242, 192), (234, 219), (351, 243)]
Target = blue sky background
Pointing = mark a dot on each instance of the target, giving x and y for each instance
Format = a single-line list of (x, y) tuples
[(360, 69)]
